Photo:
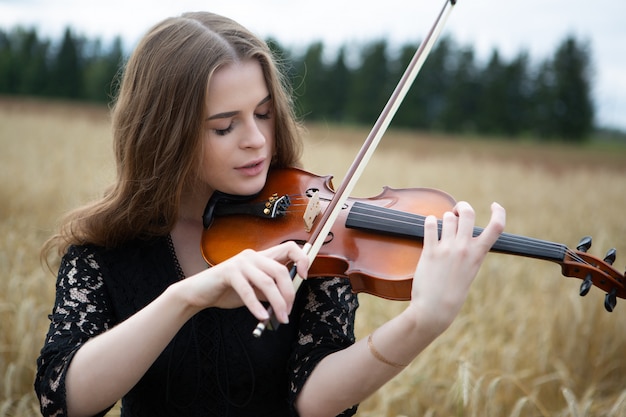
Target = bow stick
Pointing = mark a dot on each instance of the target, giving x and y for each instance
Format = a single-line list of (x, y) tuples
[(323, 227)]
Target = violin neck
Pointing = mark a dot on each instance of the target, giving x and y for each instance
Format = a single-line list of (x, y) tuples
[(398, 223)]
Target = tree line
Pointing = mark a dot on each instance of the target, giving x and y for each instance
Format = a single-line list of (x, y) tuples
[(454, 92), (75, 68)]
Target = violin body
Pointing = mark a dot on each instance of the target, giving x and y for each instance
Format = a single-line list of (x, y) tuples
[(378, 264)]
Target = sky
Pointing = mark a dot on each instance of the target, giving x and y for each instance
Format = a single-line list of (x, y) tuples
[(510, 26)]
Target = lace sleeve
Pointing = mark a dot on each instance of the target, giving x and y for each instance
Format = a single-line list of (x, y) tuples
[(81, 311), (326, 326)]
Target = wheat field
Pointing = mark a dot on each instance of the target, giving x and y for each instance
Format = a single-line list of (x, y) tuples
[(525, 343)]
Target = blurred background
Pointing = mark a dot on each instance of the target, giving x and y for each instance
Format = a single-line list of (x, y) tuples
[(521, 102), (556, 68)]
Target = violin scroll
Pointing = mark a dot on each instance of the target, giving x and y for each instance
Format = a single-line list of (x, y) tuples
[(595, 272)]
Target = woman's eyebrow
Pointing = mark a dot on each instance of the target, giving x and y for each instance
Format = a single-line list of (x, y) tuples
[(227, 114), (224, 115), (265, 100)]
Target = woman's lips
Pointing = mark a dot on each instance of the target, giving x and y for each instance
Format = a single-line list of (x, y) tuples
[(253, 168)]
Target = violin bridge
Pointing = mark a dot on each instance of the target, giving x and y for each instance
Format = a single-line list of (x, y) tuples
[(311, 212)]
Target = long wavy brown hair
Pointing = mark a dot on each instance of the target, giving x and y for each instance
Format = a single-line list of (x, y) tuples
[(157, 120)]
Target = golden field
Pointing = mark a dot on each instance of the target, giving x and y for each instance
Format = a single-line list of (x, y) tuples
[(525, 343)]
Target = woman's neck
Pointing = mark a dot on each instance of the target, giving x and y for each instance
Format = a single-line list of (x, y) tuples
[(187, 232)]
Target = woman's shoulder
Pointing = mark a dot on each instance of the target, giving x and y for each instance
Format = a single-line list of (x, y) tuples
[(134, 273), (131, 249)]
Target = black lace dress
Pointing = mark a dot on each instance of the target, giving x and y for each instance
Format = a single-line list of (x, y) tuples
[(213, 366)]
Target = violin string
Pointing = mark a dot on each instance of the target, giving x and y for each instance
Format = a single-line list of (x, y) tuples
[(413, 220), (410, 221), (302, 200)]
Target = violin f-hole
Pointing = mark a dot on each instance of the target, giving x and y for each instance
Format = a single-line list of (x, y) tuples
[(301, 242)]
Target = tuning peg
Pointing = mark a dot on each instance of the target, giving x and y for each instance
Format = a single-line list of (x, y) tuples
[(586, 285), (584, 244), (610, 300), (610, 256)]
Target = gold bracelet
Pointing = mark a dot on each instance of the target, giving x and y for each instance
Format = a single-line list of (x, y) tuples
[(379, 356)]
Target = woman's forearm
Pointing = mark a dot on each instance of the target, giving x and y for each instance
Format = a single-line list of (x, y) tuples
[(349, 376)]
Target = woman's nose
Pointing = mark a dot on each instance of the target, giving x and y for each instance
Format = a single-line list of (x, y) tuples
[(253, 136)]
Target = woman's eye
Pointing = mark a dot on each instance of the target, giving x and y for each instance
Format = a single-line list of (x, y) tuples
[(264, 116), (223, 132)]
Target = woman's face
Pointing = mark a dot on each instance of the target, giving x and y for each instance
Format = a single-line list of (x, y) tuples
[(238, 133)]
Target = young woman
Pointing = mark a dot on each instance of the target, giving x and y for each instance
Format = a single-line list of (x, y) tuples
[(138, 315)]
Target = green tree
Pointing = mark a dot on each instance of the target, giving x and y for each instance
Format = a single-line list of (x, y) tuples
[(516, 117), (101, 71), (573, 107), (561, 103), (312, 95), (370, 87), (7, 71), (461, 105), (424, 102), (32, 63), (504, 102), (452, 92), (286, 63), (23, 62), (490, 117), (66, 75), (284, 59), (544, 124), (338, 86)]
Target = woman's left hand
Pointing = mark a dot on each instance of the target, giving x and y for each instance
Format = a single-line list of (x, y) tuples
[(448, 265)]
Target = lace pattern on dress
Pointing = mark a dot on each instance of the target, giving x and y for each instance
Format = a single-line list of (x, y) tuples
[(80, 312), (83, 309), (327, 326)]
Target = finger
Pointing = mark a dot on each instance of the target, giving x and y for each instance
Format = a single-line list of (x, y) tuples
[(494, 228), (285, 289), (466, 219), (431, 234), (290, 252), (284, 254), (449, 224), (274, 284), (258, 277), (249, 297), (297, 255)]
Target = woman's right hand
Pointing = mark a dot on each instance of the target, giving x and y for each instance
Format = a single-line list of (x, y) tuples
[(249, 278)]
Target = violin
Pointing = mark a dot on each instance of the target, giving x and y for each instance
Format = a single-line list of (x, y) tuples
[(352, 235), (387, 227)]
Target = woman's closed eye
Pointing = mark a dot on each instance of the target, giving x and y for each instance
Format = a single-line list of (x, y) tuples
[(223, 132), (264, 116), (260, 115)]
